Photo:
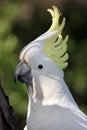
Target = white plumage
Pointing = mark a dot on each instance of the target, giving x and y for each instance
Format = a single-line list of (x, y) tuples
[(51, 105)]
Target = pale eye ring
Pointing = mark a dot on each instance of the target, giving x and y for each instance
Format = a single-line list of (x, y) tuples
[(40, 66)]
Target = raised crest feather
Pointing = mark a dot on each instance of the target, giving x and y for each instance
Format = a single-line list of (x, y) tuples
[(56, 46)]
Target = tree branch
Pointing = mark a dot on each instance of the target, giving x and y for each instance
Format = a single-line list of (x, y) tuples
[(7, 118)]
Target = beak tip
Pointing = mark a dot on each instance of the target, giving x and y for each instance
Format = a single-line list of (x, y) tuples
[(22, 73)]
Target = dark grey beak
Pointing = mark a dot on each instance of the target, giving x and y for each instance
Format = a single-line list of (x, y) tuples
[(23, 74)]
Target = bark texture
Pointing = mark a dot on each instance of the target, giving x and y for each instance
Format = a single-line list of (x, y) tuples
[(7, 118)]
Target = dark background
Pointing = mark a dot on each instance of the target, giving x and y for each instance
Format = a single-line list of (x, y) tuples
[(21, 21)]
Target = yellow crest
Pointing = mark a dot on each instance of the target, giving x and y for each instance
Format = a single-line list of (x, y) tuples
[(56, 47)]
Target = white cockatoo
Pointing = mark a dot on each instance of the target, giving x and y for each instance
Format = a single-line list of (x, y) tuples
[(51, 105)]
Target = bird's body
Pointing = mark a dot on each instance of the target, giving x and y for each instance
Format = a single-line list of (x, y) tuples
[(54, 117), (59, 112), (51, 105)]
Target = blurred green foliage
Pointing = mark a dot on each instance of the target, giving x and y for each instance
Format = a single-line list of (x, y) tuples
[(21, 22), (8, 58)]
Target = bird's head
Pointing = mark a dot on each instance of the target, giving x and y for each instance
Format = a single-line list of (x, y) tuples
[(43, 59)]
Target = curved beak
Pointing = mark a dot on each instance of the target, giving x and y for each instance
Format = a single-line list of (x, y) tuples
[(23, 74)]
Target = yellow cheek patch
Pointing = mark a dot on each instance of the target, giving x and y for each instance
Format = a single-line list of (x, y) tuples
[(56, 47)]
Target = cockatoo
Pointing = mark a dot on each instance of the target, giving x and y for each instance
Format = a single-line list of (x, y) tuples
[(51, 105)]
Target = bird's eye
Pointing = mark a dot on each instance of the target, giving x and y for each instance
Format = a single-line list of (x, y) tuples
[(40, 66)]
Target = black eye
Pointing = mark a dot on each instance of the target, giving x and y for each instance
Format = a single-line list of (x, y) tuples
[(40, 66)]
